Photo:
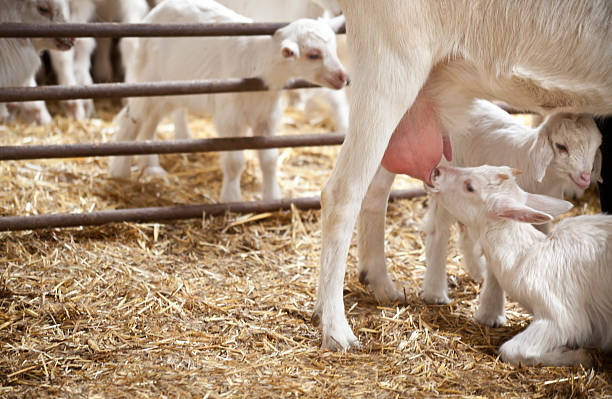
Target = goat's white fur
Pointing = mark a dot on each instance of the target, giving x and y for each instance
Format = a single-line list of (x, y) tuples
[(563, 278), (555, 56), (496, 138), (275, 59), (19, 58)]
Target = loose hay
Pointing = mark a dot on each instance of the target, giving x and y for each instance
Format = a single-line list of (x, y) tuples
[(220, 307)]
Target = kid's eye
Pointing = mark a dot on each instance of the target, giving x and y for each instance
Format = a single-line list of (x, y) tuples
[(44, 9), (468, 187), (315, 55), (561, 147)]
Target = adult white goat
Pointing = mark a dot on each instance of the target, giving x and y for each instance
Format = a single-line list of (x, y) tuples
[(19, 58), (305, 48), (559, 152), (564, 278), (544, 56)]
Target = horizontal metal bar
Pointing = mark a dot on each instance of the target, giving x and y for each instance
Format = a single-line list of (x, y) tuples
[(142, 215), (167, 146), (110, 90), (110, 29)]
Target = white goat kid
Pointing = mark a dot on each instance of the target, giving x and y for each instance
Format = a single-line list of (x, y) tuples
[(19, 58), (334, 101), (554, 57), (305, 48), (560, 151), (564, 278)]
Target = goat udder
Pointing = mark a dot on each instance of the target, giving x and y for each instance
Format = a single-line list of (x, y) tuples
[(416, 145)]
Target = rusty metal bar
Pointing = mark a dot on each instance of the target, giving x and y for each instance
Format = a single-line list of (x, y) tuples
[(109, 90), (167, 146), (142, 215), (110, 29)]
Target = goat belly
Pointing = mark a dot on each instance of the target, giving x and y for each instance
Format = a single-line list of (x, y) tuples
[(416, 145)]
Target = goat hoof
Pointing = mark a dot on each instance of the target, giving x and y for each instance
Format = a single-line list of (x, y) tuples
[(316, 319), (491, 320), (340, 338), (383, 288), (436, 299), (155, 171)]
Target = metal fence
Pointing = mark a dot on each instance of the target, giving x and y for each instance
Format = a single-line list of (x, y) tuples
[(7, 94)]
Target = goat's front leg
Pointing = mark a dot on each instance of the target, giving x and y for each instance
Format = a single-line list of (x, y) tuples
[(147, 130), (437, 229), (371, 240), (103, 67), (83, 49), (492, 301), (63, 65), (126, 125), (4, 113), (543, 343), (336, 103), (181, 125), (473, 259), (377, 105)]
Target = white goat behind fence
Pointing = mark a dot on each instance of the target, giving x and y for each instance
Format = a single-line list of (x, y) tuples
[(561, 151), (306, 49), (19, 58), (564, 278), (334, 101)]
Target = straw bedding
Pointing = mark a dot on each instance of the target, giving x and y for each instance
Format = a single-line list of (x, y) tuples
[(220, 307)]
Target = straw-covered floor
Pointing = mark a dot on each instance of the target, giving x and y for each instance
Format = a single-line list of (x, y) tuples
[(220, 307)]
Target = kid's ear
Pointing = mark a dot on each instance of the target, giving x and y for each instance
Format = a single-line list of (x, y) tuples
[(596, 173), (550, 205), (290, 49), (336, 23), (509, 208), (542, 155)]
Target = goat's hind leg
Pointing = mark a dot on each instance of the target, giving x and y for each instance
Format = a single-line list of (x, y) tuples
[(437, 229), (473, 259), (126, 129), (491, 311), (371, 240), (377, 106), (542, 343), (148, 131)]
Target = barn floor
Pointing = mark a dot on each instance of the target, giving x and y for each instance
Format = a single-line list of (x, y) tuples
[(220, 307)]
